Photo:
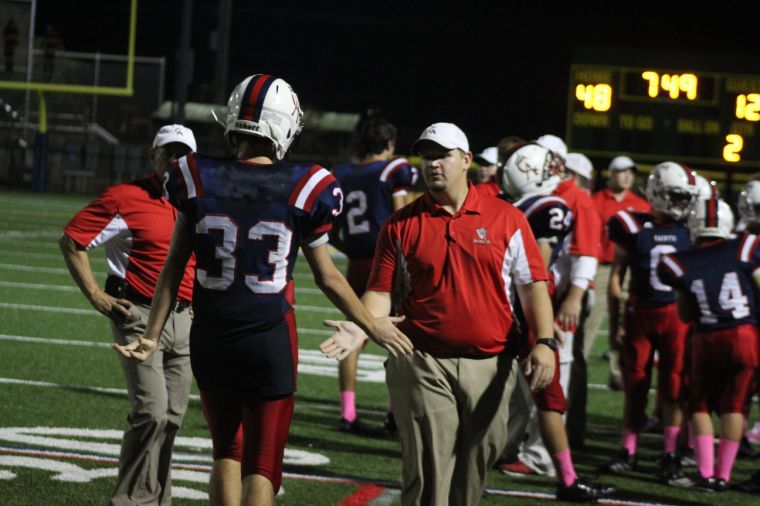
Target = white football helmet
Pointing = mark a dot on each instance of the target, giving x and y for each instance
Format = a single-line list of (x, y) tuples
[(706, 189), (528, 171), (711, 218), (749, 202), (671, 189), (265, 106)]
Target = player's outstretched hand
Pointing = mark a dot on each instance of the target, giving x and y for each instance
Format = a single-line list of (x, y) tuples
[(385, 333), (347, 338), (539, 367), (138, 350), (115, 309)]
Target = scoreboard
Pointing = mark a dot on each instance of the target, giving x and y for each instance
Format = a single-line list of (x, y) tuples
[(655, 114)]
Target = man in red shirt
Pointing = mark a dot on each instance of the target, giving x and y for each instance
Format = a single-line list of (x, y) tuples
[(465, 255), (487, 161), (616, 197), (135, 223)]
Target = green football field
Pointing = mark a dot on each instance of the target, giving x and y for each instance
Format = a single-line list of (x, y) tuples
[(63, 403)]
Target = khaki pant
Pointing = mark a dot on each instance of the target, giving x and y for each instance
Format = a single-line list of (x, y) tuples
[(158, 393), (452, 421)]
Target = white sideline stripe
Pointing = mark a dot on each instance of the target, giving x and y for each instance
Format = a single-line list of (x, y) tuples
[(45, 270), (26, 254), (69, 288), (16, 234), (72, 310)]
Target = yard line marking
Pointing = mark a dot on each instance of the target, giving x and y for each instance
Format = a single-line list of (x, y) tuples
[(17, 234), (90, 312), (45, 270), (363, 496), (26, 254), (70, 288)]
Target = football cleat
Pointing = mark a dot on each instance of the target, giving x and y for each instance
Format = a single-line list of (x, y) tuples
[(623, 462), (584, 491)]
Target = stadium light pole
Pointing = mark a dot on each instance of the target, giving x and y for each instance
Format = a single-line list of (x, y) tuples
[(184, 61), (222, 51)]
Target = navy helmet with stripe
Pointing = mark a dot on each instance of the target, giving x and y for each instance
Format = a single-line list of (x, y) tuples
[(265, 106)]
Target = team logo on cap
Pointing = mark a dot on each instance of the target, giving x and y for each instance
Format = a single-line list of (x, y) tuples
[(431, 131), (178, 131), (482, 234)]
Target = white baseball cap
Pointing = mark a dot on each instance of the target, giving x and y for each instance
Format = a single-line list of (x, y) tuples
[(554, 144), (447, 135), (621, 163), (489, 155), (580, 164), (175, 133)]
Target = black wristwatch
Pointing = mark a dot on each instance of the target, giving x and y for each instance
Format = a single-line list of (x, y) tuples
[(548, 341)]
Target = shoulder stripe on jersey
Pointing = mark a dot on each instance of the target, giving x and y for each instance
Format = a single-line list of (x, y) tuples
[(307, 185), (187, 177), (672, 264), (628, 221), (192, 164), (745, 254), (540, 202), (318, 188), (391, 167)]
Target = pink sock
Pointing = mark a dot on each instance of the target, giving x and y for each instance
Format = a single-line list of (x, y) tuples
[(564, 467), (727, 451), (671, 438), (348, 405), (704, 448), (629, 439)]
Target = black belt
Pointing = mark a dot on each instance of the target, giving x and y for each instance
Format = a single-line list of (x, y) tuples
[(119, 288)]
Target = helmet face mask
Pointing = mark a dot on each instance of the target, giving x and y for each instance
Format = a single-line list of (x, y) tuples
[(264, 106), (528, 171)]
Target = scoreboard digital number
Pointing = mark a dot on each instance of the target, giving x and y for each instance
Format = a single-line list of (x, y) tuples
[(655, 114)]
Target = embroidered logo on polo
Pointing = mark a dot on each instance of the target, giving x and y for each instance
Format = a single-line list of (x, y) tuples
[(482, 236)]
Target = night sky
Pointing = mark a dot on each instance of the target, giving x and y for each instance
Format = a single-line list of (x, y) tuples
[(494, 68)]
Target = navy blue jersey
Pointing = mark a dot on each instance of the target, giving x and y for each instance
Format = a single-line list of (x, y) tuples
[(716, 279), (646, 241), (369, 190), (549, 216), (249, 221)]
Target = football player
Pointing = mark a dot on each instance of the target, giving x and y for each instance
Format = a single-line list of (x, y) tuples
[(715, 285), (374, 187), (245, 219), (528, 176), (651, 321)]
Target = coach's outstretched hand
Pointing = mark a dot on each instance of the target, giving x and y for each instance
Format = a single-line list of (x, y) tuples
[(138, 350), (349, 336), (539, 367)]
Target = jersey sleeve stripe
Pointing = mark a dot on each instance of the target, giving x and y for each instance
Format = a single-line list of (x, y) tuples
[(630, 224), (309, 186), (301, 183), (672, 264), (193, 166), (391, 167), (748, 246), (187, 177), (314, 195), (401, 192), (541, 202)]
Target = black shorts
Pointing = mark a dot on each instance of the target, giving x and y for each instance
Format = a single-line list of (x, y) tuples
[(244, 359)]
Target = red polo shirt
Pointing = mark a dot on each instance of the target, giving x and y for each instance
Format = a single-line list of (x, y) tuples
[(606, 206), (461, 267), (135, 223), (588, 226), (489, 188)]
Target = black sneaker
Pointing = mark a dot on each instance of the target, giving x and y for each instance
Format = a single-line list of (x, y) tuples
[(745, 449), (751, 485), (720, 485), (353, 427), (623, 462), (390, 424), (688, 457), (584, 491), (670, 471)]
